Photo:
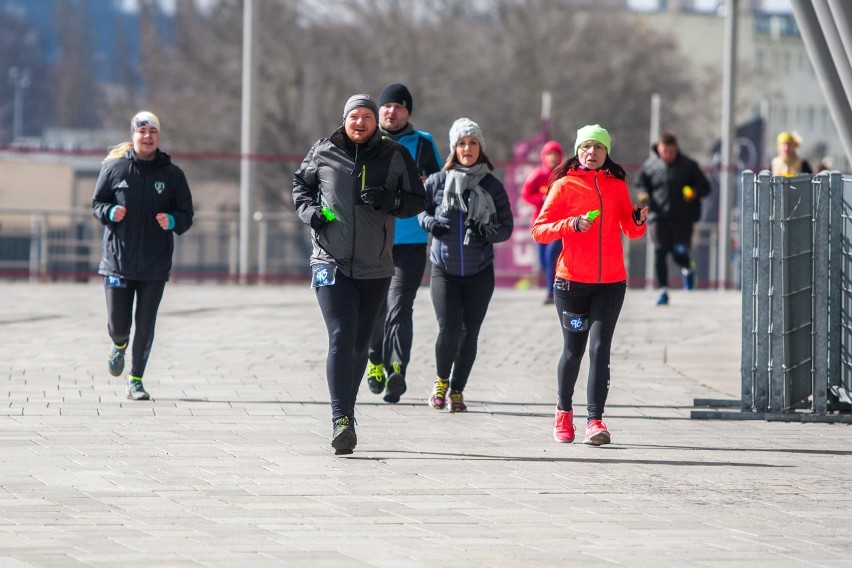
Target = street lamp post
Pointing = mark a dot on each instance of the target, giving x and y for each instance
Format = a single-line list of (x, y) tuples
[(20, 79)]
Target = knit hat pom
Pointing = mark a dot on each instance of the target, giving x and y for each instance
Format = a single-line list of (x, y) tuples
[(465, 127), (594, 132)]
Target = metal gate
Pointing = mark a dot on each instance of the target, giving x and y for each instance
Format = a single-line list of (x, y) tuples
[(796, 266)]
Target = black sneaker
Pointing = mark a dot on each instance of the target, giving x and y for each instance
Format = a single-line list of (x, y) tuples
[(135, 390), (396, 386), (344, 439), (115, 361), (376, 377)]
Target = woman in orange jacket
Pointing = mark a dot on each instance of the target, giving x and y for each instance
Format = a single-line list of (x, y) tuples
[(588, 207)]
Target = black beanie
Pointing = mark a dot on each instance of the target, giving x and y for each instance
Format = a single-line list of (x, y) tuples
[(397, 93)]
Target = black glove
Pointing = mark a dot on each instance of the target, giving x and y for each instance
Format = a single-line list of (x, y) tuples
[(637, 216), (439, 229), (477, 229), (379, 198), (318, 221)]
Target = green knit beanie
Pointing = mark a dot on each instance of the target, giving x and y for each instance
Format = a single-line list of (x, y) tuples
[(594, 132)]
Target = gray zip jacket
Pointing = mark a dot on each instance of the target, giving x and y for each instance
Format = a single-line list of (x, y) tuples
[(359, 241)]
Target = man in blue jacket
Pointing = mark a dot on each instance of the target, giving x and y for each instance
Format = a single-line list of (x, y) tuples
[(390, 349)]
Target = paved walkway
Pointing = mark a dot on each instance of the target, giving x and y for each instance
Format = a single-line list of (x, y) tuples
[(230, 463)]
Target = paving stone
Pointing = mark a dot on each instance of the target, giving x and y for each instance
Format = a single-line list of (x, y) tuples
[(229, 464)]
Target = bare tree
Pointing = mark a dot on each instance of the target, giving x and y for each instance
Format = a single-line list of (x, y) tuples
[(487, 60), (75, 88), (21, 49)]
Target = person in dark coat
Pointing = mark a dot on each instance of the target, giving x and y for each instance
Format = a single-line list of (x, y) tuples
[(350, 188), (672, 185), (143, 200), (468, 211)]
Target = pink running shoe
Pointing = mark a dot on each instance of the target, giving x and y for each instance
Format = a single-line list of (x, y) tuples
[(563, 426), (596, 433), (457, 402), (438, 398)]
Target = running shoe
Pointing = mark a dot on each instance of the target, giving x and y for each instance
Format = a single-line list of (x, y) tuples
[(438, 398), (457, 402), (688, 276), (115, 361), (376, 377), (396, 386), (596, 433), (135, 390), (563, 426), (662, 299), (343, 438)]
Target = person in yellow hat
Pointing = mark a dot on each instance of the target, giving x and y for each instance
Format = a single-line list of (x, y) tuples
[(788, 162)]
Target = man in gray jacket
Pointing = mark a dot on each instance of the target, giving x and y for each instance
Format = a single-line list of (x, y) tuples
[(350, 188)]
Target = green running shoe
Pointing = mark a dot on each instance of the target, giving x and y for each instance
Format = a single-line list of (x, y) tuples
[(135, 390), (396, 386), (115, 361), (376, 377)]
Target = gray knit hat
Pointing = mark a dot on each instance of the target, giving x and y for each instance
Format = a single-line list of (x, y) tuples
[(465, 127), (356, 101)]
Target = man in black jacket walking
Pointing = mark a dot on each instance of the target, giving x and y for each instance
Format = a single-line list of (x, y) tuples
[(673, 186)]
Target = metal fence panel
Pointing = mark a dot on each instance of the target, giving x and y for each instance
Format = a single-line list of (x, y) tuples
[(797, 299), (845, 277), (797, 289)]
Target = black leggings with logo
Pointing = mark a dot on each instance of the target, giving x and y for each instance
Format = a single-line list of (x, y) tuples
[(120, 294), (349, 308), (586, 311)]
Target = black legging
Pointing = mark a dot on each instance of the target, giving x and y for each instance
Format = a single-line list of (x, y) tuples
[(349, 309), (394, 330), (119, 299), (670, 237), (460, 304), (586, 310)]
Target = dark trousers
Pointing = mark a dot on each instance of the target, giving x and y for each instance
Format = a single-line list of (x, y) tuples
[(349, 309), (586, 311), (119, 299), (548, 254), (460, 304), (670, 237), (393, 333)]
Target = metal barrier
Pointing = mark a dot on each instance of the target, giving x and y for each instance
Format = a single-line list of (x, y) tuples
[(795, 328), (52, 244)]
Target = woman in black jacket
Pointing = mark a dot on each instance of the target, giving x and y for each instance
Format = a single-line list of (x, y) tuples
[(142, 198), (349, 189), (467, 212)]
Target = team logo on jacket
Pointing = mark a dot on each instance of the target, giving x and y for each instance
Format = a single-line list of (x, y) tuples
[(160, 186)]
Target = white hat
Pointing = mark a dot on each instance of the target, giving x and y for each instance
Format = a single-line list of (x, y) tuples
[(144, 118)]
